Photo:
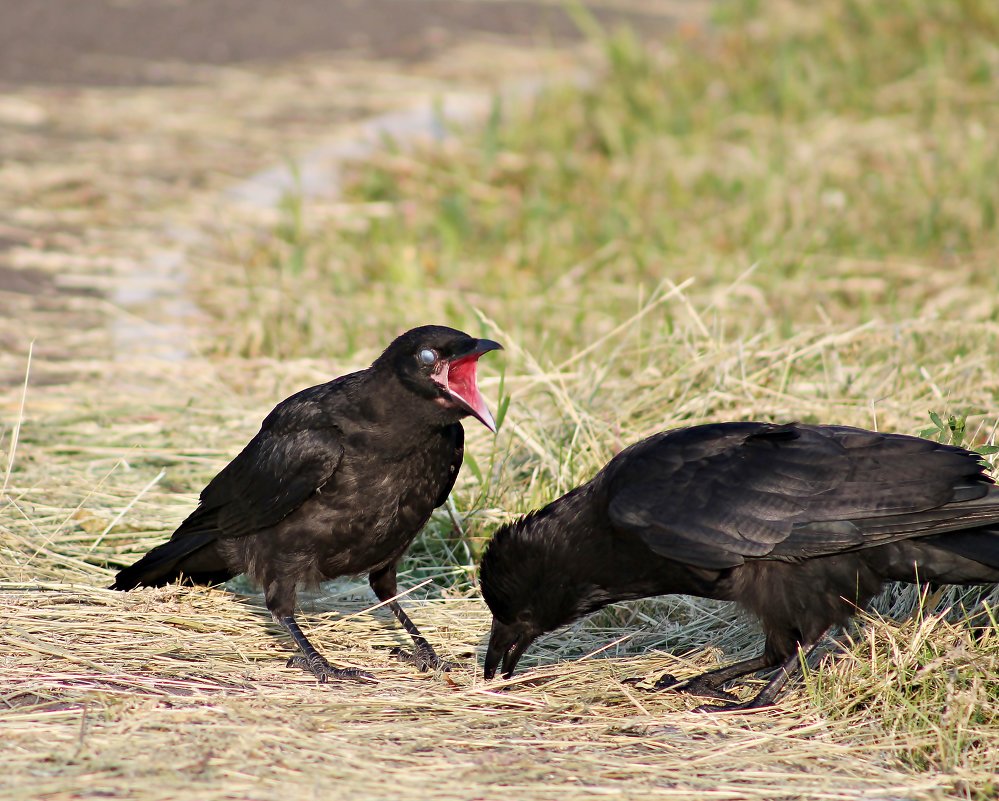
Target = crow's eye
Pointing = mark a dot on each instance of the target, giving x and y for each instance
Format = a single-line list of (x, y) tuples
[(427, 356)]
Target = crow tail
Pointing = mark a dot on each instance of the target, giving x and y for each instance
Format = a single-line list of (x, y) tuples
[(193, 558), (963, 557)]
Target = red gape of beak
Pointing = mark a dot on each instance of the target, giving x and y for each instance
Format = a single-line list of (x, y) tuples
[(461, 383), (458, 378)]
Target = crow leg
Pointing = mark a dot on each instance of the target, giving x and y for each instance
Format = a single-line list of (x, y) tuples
[(423, 656), (709, 684), (383, 582), (279, 595), (789, 669), (314, 662)]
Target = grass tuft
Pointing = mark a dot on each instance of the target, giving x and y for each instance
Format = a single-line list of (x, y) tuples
[(928, 683)]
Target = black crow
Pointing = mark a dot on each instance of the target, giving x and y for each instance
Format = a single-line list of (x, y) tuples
[(800, 524), (338, 481)]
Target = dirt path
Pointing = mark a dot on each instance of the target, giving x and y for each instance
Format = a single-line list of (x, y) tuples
[(157, 42), (122, 125)]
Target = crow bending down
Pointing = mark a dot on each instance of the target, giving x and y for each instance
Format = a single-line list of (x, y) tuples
[(800, 524), (339, 480)]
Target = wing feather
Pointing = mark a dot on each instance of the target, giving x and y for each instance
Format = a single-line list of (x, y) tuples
[(295, 453), (716, 495)]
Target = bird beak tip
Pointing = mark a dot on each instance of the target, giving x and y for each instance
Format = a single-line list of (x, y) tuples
[(486, 345), (488, 420)]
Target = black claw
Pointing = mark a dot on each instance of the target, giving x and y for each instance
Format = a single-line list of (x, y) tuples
[(706, 690), (425, 658), (694, 686), (640, 683), (753, 703), (667, 681), (324, 671), (705, 709)]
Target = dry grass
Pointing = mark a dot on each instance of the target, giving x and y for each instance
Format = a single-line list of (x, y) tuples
[(179, 691), (728, 268), (162, 692)]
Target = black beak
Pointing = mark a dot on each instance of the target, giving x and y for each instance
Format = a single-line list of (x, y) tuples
[(507, 643), (479, 347)]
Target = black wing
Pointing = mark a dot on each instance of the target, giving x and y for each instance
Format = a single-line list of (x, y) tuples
[(295, 453), (458, 438), (713, 496)]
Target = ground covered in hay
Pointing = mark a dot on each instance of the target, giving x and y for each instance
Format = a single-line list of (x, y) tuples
[(790, 214)]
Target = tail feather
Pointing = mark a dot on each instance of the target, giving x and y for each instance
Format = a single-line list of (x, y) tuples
[(979, 545), (192, 557), (959, 557)]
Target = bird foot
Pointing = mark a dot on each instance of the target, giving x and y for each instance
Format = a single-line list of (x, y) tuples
[(753, 703), (700, 687), (425, 658), (694, 686), (324, 671)]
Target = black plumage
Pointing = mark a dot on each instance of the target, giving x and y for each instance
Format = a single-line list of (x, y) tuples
[(800, 524), (338, 481)]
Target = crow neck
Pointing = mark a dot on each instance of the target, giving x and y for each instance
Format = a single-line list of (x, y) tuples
[(605, 565)]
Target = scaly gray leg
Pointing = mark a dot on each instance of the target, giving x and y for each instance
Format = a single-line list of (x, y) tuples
[(383, 582), (314, 662), (709, 684), (790, 668)]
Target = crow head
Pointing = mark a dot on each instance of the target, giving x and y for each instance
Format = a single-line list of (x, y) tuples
[(439, 364), (529, 587)]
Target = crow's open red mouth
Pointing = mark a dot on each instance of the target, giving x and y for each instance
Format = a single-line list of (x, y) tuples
[(458, 378)]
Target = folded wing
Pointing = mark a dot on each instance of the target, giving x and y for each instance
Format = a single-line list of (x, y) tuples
[(714, 496)]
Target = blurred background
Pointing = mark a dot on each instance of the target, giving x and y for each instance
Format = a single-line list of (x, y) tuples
[(125, 124)]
